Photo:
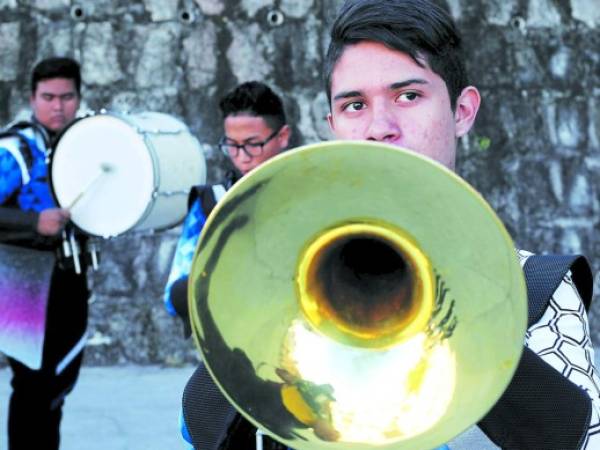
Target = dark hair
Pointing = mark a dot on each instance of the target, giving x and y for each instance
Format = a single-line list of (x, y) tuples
[(420, 28), (56, 68), (256, 99)]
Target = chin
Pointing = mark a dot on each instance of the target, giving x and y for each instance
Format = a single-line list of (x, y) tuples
[(55, 127)]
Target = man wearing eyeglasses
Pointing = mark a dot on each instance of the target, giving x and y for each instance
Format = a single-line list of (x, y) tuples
[(255, 126), (256, 130)]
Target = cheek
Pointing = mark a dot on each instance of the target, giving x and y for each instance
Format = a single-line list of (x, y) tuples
[(73, 106), (435, 130), (429, 136), (236, 160), (42, 107), (348, 129)]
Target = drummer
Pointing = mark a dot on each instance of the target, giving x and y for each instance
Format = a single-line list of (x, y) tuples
[(30, 218)]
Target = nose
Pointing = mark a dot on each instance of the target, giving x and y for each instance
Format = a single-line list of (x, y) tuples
[(57, 104), (384, 125), (244, 155)]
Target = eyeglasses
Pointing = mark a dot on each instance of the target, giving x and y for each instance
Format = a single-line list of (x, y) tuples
[(232, 149)]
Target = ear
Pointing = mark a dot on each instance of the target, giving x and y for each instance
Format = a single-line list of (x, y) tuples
[(284, 136), (467, 105), (330, 122)]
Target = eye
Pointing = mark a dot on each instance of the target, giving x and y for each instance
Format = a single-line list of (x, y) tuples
[(408, 97), (230, 144), (354, 106)]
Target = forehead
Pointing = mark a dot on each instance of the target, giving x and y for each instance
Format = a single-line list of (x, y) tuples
[(245, 125), (368, 65), (55, 86)]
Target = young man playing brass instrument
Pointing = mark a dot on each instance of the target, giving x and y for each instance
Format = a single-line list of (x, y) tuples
[(414, 93), (394, 74)]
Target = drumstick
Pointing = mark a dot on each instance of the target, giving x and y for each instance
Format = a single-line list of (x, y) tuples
[(104, 169)]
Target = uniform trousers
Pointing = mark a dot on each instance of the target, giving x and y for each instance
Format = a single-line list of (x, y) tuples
[(35, 408)]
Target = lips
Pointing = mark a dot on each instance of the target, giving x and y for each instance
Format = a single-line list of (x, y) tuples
[(57, 122)]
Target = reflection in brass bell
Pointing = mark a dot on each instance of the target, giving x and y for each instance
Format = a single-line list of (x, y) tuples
[(355, 295)]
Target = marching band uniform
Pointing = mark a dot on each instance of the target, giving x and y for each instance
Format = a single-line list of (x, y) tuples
[(201, 201), (553, 400), (38, 395), (562, 412)]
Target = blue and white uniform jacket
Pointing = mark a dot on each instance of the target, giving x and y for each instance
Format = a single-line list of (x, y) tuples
[(25, 187)]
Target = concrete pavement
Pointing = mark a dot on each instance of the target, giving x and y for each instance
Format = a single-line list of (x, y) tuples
[(117, 408), (137, 408)]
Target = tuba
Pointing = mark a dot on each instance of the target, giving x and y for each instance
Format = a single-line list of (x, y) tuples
[(352, 295)]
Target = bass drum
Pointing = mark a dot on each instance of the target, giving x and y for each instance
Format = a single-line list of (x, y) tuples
[(118, 173)]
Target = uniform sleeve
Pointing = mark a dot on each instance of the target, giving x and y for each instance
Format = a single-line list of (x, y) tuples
[(10, 175), (562, 339), (13, 219), (184, 252)]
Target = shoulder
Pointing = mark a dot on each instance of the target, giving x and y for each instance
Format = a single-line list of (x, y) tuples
[(24, 132), (565, 279), (544, 274), (523, 255), (9, 143), (15, 163), (207, 195)]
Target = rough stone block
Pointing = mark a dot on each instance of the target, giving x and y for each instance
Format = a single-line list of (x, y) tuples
[(594, 121), (248, 43), (500, 12), (571, 124), (48, 5), (581, 195), (100, 63), (587, 11), (211, 7), (10, 40), (8, 4), (200, 56), (251, 7), (303, 61), (157, 66), (543, 13), (161, 10), (296, 8), (59, 41), (455, 8)]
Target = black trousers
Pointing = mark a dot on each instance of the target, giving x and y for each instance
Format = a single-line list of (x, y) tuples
[(35, 408)]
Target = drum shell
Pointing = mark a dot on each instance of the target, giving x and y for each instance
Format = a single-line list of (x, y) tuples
[(152, 160)]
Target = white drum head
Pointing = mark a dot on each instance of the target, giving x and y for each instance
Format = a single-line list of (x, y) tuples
[(103, 172)]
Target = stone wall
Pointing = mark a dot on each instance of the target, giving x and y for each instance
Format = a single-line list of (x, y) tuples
[(534, 153)]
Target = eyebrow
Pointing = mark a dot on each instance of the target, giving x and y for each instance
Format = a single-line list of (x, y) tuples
[(52, 94), (393, 87), (246, 141)]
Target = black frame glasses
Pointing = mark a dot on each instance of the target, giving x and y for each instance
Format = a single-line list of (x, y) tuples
[(251, 148)]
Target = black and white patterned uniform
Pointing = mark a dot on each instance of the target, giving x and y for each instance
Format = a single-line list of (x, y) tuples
[(562, 339)]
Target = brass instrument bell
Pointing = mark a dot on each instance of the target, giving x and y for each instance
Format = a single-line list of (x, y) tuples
[(355, 295)]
